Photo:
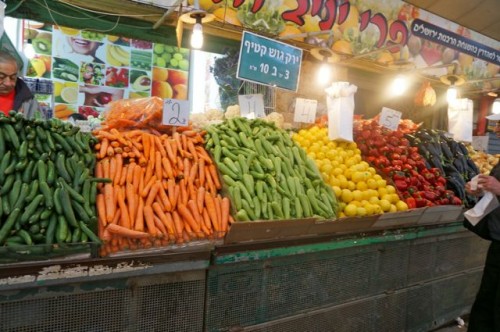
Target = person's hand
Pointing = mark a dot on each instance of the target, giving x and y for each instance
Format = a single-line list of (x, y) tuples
[(474, 192), (488, 183)]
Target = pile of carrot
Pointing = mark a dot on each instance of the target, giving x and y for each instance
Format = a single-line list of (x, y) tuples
[(164, 190)]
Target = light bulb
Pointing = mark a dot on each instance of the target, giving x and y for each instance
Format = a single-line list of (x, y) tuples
[(495, 109), (324, 75), (399, 85), (29, 50), (451, 94), (197, 36)]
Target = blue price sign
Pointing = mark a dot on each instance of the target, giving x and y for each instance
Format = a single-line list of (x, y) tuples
[(267, 61)]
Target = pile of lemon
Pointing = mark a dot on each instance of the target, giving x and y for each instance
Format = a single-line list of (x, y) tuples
[(359, 189)]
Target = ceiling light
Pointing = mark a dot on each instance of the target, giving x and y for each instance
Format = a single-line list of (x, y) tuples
[(197, 35), (399, 85), (495, 108), (29, 50), (451, 94)]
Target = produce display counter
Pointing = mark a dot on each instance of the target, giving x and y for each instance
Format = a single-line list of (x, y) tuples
[(409, 276)]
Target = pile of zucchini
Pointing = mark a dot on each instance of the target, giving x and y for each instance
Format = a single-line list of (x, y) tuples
[(47, 188)]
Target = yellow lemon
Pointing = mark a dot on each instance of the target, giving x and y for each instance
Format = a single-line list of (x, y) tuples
[(401, 206), (393, 208), (334, 182), (361, 211), (391, 189), (394, 198), (372, 183), (382, 191), (361, 185), (350, 210), (351, 185), (69, 95), (346, 196), (387, 197), (370, 209), (58, 86), (337, 191), (373, 200), (385, 205), (357, 195), (381, 183)]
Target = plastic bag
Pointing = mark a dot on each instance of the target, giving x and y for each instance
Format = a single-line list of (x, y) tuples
[(141, 113)]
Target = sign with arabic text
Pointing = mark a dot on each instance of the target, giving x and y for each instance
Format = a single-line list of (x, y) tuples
[(269, 62)]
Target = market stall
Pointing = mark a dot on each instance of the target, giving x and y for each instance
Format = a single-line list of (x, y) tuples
[(289, 206)]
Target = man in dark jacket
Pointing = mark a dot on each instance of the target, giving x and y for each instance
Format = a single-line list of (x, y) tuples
[(14, 93), (485, 313)]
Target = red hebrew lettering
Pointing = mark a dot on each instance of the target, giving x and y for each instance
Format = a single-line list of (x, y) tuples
[(330, 15), (344, 10), (237, 3), (317, 6), (217, 1), (365, 19), (295, 15), (257, 5), (380, 21), (398, 32)]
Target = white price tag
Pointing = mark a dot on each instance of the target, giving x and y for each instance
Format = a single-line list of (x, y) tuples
[(84, 125), (252, 106), (389, 118), (480, 143), (175, 112), (305, 110)]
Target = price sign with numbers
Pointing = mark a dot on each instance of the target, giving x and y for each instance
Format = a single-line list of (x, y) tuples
[(480, 143), (389, 118), (305, 110), (267, 61), (175, 112), (252, 106)]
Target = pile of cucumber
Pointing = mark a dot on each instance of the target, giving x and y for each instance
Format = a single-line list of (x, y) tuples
[(47, 188), (267, 175)]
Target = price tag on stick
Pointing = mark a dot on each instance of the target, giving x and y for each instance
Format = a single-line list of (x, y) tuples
[(305, 110), (252, 106), (175, 112), (389, 118)]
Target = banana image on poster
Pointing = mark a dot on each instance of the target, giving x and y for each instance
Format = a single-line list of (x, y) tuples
[(117, 56)]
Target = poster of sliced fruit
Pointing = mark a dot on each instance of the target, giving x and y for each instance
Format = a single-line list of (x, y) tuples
[(91, 69)]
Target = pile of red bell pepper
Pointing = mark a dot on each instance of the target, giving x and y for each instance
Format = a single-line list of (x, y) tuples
[(391, 154)]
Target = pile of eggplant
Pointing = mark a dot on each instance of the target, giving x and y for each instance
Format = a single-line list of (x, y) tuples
[(450, 157)]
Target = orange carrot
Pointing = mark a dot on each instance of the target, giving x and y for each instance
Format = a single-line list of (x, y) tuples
[(203, 155), (170, 153), (110, 152), (167, 168), (146, 145), (188, 218), (123, 231), (212, 211), (214, 176), (136, 176), (200, 198), (159, 147), (144, 193), (124, 220), (112, 168), (218, 209), (152, 193), (192, 150), (131, 202), (186, 168), (206, 219), (201, 172), (193, 208), (158, 166), (149, 172), (168, 223), (117, 217), (140, 188), (119, 168), (193, 172), (130, 173), (123, 176), (179, 226), (171, 192), (160, 227), (164, 199), (119, 137), (183, 194), (109, 201), (101, 209), (139, 220), (152, 152), (105, 168), (150, 220), (104, 148), (225, 206)]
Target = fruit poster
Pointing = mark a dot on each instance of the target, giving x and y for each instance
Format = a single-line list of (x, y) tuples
[(90, 69), (355, 27)]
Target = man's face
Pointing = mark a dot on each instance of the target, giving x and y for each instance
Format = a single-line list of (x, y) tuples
[(497, 128), (8, 77)]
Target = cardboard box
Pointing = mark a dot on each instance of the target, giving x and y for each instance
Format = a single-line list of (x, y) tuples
[(441, 214), (398, 219), (343, 225), (260, 230)]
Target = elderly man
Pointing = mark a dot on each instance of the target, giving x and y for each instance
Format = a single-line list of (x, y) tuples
[(14, 93)]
